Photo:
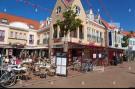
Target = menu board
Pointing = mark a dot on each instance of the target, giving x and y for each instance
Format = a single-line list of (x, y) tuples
[(61, 63), (94, 55), (100, 55), (58, 61)]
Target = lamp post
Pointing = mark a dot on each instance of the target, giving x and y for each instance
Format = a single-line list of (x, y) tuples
[(50, 39)]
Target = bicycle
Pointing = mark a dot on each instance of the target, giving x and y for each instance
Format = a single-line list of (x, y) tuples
[(8, 78), (88, 66), (76, 66)]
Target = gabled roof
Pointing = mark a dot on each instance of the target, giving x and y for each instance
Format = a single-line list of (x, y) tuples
[(125, 33), (13, 18), (107, 25)]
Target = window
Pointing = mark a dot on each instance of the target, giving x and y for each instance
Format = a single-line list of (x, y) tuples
[(74, 34), (81, 34), (77, 10), (20, 36), (55, 31), (101, 39), (134, 43), (46, 38), (45, 41), (31, 26), (5, 21), (88, 34), (38, 42), (61, 33), (2, 35), (31, 39), (16, 34), (119, 39), (94, 35), (24, 36), (58, 10), (110, 38), (11, 34)]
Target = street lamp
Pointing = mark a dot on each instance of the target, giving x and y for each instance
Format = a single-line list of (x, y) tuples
[(50, 39)]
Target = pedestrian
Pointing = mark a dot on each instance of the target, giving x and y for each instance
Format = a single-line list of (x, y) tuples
[(11, 59), (18, 61), (6, 60)]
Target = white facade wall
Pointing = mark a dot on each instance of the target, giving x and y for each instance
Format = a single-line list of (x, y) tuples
[(6, 29), (132, 43)]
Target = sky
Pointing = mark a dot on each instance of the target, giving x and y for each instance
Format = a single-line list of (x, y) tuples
[(116, 11)]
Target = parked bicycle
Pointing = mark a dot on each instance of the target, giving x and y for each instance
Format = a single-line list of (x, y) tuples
[(88, 65), (77, 66), (10, 74), (8, 78)]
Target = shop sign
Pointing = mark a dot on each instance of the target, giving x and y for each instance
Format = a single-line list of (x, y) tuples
[(57, 40), (58, 46), (94, 55), (100, 55)]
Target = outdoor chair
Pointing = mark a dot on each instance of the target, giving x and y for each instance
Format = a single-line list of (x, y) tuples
[(51, 72), (43, 72), (27, 73), (36, 71), (77, 66)]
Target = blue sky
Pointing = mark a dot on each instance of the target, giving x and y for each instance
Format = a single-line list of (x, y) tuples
[(121, 11)]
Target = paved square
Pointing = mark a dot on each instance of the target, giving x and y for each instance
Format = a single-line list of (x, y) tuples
[(113, 77)]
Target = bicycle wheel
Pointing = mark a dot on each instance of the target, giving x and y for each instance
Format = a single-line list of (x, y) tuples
[(8, 79)]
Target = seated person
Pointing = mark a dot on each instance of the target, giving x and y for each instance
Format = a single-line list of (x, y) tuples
[(6, 60), (18, 61)]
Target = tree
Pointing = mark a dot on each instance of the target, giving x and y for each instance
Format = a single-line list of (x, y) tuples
[(126, 43), (126, 39), (70, 22)]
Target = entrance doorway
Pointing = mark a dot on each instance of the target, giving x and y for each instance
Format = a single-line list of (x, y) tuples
[(16, 52)]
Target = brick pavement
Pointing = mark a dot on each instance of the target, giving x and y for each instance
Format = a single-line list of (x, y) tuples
[(121, 76)]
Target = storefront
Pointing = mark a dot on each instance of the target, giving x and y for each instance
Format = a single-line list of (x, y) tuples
[(83, 52), (114, 52)]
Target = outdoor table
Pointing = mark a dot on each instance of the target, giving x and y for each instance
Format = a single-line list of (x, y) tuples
[(12, 66), (19, 71)]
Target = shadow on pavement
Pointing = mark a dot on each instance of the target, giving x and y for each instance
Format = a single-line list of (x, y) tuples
[(131, 72)]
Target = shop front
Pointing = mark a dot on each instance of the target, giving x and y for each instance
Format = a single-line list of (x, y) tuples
[(113, 52), (86, 52)]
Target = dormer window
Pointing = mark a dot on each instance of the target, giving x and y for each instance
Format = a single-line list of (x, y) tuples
[(58, 10), (77, 10), (5, 21), (31, 26)]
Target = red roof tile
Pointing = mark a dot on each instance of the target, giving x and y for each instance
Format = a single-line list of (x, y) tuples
[(128, 33), (112, 27), (12, 18)]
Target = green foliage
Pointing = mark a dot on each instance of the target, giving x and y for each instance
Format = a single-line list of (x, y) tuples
[(70, 22), (126, 39)]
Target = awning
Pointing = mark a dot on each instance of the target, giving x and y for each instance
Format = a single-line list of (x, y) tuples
[(35, 48), (58, 46), (5, 46), (78, 45)]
